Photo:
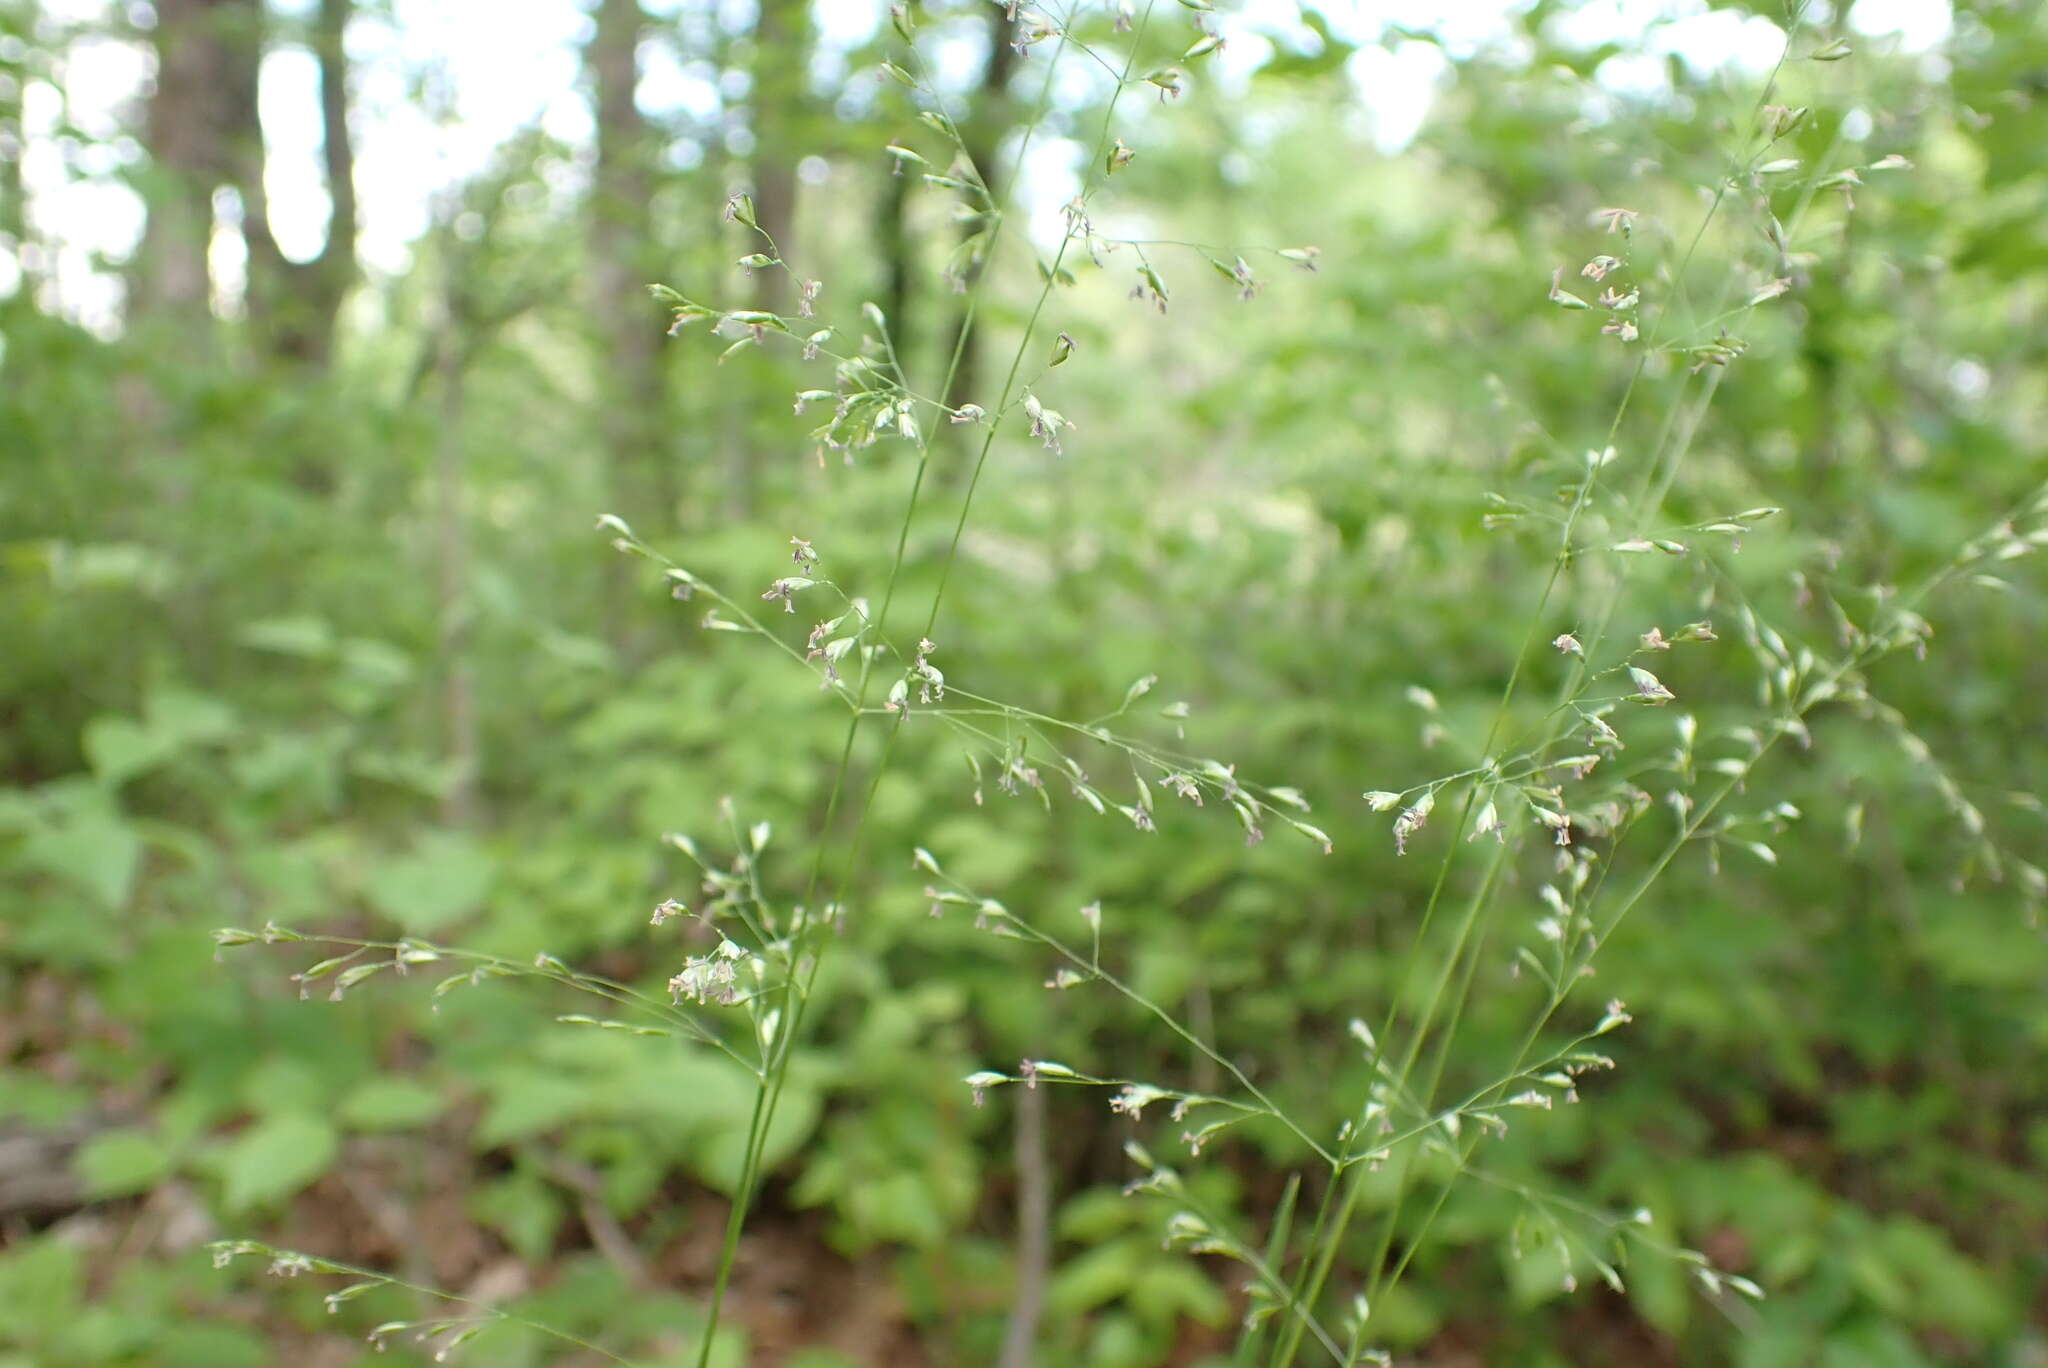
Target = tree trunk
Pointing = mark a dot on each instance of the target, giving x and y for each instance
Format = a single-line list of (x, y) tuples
[(782, 55), (893, 244), (632, 393), (190, 131), (1034, 1231), (451, 571), (983, 135), (311, 295), (780, 62), (13, 190), (293, 306)]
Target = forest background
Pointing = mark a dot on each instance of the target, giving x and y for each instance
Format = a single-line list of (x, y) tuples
[(326, 339)]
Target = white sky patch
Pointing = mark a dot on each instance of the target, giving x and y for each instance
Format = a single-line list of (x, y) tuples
[(1704, 39), (956, 63), (1920, 24), (1632, 73), (1396, 82), (1463, 26), (1715, 39), (70, 13), (1051, 173), (293, 183), (1399, 86), (99, 74), (486, 79), (79, 217), (227, 258), (670, 86), (843, 26)]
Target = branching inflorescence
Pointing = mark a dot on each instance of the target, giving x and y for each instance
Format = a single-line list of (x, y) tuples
[(1561, 818)]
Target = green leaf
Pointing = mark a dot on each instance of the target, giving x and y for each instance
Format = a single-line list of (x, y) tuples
[(309, 638), (118, 1163), (98, 851), (284, 1082), (190, 718), (722, 1154), (1172, 1289), (523, 1208), (390, 1104), (821, 1358), (211, 1346), (376, 665), (40, 1100), (119, 748), (529, 1101), (40, 1284), (445, 877), (1099, 1275), (273, 1159)]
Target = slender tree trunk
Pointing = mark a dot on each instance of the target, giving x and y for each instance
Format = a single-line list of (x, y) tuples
[(983, 135), (190, 133), (293, 306), (1034, 1232), (632, 390), (335, 268), (781, 95), (451, 572), (779, 62), (894, 245), (242, 49), (13, 191)]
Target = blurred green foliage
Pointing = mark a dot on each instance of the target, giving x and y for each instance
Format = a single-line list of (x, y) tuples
[(224, 692)]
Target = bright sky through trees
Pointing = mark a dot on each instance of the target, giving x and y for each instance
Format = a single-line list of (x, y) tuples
[(483, 78)]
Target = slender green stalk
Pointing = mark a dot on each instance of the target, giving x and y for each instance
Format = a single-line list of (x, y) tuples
[(797, 999)]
